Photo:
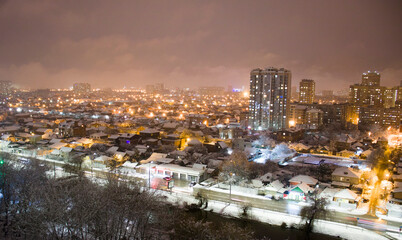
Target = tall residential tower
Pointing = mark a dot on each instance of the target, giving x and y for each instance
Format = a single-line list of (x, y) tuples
[(269, 98), (307, 91)]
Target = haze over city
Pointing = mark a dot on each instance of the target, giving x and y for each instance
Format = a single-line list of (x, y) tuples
[(52, 44), (200, 120)]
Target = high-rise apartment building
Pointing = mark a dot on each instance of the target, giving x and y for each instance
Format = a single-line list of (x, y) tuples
[(390, 96), (5, 88), (269, 98), (371, 78), (307, 91), (374, 104), (81, 88)]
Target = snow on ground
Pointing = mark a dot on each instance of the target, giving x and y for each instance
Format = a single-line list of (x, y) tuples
[(395, 235), (356, 211), (345, 231), (277, 218), (181, 195), (389, 218), (236, 190), (59, 173), (306, 159)]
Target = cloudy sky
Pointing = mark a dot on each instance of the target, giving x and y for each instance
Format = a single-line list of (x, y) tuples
[(46, 44)]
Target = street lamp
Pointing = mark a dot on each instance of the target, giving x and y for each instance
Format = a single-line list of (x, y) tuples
[(149, 175), (230, 185)]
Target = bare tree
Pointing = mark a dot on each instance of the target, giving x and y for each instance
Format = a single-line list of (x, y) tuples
[(310, 213), (237, 168)]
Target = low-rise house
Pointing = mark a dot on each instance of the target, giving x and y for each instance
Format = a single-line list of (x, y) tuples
[(310, 181), (128, 140), (290, 135), (128, 167), (57, 145), (397, 178), (65, 152), (329, 193), (347, 176), (346, 153), (397, 193), (101, 161), (120, 157), (99, 136), (112, 150), (195, 173), (84, 142), (149, 133), (346, 198), (172, 139), (298, 192), (274, 186)]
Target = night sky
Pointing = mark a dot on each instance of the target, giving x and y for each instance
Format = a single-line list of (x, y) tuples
[(46, 44)]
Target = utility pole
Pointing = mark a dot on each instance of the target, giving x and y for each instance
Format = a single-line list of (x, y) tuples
[(149, 175)]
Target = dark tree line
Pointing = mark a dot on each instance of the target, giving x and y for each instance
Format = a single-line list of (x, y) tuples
[(34, 206)]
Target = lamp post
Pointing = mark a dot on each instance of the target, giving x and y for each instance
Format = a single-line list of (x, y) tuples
[(230, 185), (230, 190), (149, 175)]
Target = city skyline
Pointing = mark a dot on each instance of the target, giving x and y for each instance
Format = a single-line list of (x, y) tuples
[(201, 120), (189, 44)]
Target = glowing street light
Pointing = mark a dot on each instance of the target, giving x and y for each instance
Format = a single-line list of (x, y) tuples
[(292, 123)]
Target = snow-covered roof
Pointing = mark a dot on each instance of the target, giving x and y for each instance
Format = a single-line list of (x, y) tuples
[(112, 150), (84, 141), (304, 179), (199, 166), (150, 131), (170, 125), (55, 140), (129, 164), (115, 136), (180, 153), (5, 136), (346, 172), (164, 160), (154, 157), (340, 184), (58, 145), (274, 186), (223, 145), (329, 193), (174, 168), (302, 186), (66, 149), (266, 177), (366, 153), (193, 142), (346, 194), (119, 154), (102, 158), (55, 152), (98, 134)]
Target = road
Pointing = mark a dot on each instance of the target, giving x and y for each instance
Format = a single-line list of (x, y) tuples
[(291, 207), (283, 206)]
